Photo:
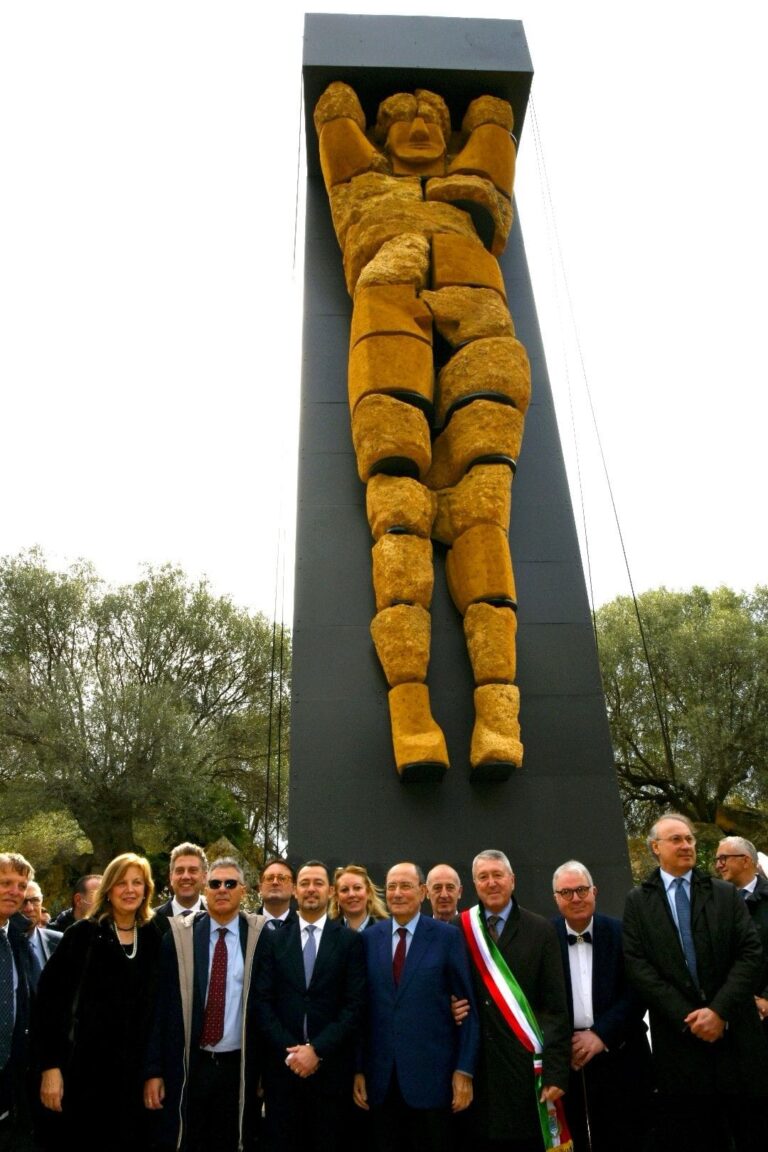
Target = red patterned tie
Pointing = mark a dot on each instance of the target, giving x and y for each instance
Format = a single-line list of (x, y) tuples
[(213, 1020), (399, 957)]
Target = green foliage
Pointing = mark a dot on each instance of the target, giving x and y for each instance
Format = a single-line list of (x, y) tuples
[(146, 703), (709, 656)]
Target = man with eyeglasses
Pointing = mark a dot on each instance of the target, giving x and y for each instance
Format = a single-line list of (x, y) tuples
[(196, 1069), (609, 1087), (693, 955), (276, 887), (42, 941), (736, 862)]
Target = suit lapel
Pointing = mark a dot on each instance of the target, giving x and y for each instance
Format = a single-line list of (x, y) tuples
[(562, 936), (329, 941), (421, 937), (201, 941)]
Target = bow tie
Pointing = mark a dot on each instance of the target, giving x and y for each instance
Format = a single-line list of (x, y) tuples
[(583, 937)]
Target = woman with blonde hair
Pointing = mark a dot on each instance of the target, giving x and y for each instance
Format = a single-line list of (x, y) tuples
[(93, 1013), (356, 898)]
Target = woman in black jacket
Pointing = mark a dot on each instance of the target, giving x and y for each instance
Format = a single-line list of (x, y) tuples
[(92, 1015)]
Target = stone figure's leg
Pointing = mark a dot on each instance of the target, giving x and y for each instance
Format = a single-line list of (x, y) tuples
[(482, 396), (391, 386)]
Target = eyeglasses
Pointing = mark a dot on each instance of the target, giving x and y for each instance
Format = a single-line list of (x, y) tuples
[(677, 839), (569, 893), (729, 856), (32, 900), (229, 884)]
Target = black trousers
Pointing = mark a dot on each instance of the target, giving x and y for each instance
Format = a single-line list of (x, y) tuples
[(213, 1107)]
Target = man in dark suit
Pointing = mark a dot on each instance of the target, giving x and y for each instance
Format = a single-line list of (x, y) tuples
[(276, 888), (736, 862), (83, 895), (15, 993), (417, 1066), (43, 941), (510, 1101), (187, 874), (609, 1088), (198, 1064), (694, 957), (307, 1002)]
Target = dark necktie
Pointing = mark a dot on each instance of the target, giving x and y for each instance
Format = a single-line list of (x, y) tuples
[(493, 927), (213, 1020), (574, 937), (683, 909), (398, 960), (6, 999), (274, 923), (745, 893)]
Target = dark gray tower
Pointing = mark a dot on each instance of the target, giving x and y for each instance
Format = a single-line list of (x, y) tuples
[(346, 800)]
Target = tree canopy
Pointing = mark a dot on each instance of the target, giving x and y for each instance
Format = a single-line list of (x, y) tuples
[(706, 741), (154, 702)]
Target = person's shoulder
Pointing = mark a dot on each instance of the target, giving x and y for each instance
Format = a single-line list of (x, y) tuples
[(51, 934), (533, 922)]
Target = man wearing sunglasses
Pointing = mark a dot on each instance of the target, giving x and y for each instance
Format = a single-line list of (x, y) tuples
[(196, 1067), (736, 862), (693, 955), (609, 1087)]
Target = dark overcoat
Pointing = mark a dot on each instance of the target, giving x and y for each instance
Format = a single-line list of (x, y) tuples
[(728, 959)]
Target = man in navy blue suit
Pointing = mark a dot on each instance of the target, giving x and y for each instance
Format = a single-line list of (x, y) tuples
[(609, 1092), (15, 994), (417, 1066), (307, 1004)]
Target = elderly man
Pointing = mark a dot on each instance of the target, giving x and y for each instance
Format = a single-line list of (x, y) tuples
[(187, 873), (196, 1066), (609, 1090), (736, 862), (43, 941), (308, 1001), (526, 1038), (15, 992), (417, 1066), (694, 957), (444, 892)]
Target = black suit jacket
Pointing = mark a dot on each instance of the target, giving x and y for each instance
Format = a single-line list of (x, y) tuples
[(504, 1092), (333, 1003), (729, 959), (12, 1076), (757, 906), (617, 1010)]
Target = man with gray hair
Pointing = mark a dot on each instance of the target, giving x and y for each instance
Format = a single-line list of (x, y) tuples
[(526, 1038), (196, 1069), (736, 862), (15, 994), (609, 1089), (694, 957)]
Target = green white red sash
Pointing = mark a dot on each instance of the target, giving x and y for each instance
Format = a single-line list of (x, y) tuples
[(512, 1002)]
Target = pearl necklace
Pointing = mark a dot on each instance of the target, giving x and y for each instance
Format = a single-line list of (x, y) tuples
[(128, 955)]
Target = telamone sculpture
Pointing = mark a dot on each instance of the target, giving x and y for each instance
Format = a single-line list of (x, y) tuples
[(438, 390)]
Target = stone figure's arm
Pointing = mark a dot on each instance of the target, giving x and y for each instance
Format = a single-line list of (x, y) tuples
[(345, 150)]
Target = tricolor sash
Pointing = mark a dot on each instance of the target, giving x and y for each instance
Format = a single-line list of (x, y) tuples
[(512, 1002)]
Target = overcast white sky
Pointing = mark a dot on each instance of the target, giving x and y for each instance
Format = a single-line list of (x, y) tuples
[(150, 289)]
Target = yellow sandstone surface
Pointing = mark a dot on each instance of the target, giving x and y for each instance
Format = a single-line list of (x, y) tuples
[(390, 310), (401, 635), (460, 260), (402, 260), (496, 734), (490, 634), (465, 314), (383, 427), (416, 737), (474, 188), (482, 428), (402, 571), (498, 365), (390, 364), (483, 496), (399, 502), (479, 567)]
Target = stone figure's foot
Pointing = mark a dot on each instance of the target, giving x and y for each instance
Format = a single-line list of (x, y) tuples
[(419, 745), (496, 750)]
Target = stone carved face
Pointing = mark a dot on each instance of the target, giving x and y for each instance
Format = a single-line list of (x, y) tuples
[(414, 129)]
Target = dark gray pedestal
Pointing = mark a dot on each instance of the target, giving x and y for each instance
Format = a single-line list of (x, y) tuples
[(346, 800)]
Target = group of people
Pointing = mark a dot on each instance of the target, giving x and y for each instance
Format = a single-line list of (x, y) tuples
[(344, 1015)]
